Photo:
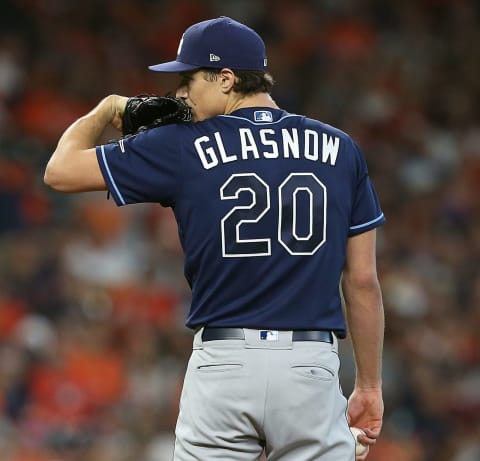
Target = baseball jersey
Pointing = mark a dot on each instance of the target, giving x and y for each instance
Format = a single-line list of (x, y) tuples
[(265, 201)]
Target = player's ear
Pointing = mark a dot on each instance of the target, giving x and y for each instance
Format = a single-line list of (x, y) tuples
[(227, 79)]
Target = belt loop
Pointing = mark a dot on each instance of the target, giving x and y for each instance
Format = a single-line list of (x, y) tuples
[(334, 343), (197, 339)]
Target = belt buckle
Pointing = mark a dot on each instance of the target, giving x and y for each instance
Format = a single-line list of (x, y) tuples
[(269, 335)]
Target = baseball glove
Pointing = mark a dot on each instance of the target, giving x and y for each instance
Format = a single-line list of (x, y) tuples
[(145, 111)]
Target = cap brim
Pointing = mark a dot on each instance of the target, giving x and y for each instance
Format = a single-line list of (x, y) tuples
[(173, 66)]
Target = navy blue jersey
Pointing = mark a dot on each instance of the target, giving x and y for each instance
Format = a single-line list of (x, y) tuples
[(265, 202)]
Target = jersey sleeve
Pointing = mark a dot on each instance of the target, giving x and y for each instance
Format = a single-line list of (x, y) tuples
[(366, 211), (144, 167)]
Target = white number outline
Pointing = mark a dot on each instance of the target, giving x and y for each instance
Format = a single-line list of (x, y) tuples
[(280, 208), (267, 240), (223, 196), (294, 228)]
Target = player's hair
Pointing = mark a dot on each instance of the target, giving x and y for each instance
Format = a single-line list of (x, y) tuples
[(247, 81)]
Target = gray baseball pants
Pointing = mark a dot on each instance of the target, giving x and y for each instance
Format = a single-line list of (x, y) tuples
[(241, 397)]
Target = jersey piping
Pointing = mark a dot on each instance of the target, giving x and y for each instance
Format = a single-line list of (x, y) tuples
[(261, 123), (359, 226), (107, 169)]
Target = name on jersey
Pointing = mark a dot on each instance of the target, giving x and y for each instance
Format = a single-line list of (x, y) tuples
[(269, 143)]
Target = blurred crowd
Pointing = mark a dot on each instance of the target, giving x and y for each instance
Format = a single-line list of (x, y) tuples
[(92, 297)]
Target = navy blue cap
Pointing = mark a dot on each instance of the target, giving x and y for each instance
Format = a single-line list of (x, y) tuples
[(218, 43)]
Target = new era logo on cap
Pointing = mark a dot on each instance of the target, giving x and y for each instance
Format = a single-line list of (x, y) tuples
[(217, 43)]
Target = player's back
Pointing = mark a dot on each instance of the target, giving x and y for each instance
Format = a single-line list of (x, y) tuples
[(266, 204)]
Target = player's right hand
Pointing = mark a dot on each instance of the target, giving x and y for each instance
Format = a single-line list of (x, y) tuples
[(365, 411)]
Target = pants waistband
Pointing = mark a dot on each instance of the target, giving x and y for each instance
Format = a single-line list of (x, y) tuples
[(215, 334)]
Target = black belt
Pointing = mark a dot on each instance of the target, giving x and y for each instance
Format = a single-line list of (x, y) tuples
[(214, 334)]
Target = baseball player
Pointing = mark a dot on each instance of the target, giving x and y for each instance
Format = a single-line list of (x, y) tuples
[(275, 212)]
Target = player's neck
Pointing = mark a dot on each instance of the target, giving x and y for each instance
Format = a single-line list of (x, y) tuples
[(254, 100)]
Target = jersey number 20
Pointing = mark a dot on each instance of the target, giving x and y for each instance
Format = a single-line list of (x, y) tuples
[(296, 188)]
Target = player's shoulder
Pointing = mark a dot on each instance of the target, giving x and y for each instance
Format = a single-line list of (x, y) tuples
[(247, 117), (326, 128), (348, 144), (170, 134), (167, 138)]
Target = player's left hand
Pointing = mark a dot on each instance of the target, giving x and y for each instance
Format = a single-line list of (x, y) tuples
[(118, 104), (146, 111)]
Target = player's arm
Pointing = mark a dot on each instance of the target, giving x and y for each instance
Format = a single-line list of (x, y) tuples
[(365, 319), (73, 167)]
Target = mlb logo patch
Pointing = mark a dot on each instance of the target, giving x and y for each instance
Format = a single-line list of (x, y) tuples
[(269, 335), (263, 116)]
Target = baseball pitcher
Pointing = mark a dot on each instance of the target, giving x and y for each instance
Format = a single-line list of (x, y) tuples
[(276, 214)]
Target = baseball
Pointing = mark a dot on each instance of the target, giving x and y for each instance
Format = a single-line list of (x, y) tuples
[(360, 449)]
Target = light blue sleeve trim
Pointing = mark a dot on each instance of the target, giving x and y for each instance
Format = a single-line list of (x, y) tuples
[(104, 158), (367, 223)]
